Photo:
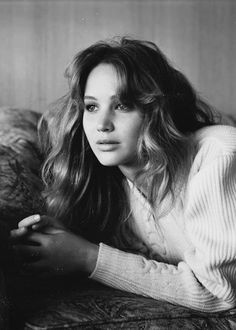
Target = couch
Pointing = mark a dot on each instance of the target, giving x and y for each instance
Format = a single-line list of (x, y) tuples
[(72, 302)]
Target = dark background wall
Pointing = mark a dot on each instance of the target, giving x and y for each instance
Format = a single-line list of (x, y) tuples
[(39, 37)]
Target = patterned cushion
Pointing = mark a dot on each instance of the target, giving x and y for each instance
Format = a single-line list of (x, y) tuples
[(20, 161), (20, 186), (77, 303)]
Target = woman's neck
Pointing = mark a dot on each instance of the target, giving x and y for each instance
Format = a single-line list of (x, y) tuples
[(130, 173)]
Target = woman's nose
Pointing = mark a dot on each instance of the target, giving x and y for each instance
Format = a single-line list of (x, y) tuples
[(105, 123)]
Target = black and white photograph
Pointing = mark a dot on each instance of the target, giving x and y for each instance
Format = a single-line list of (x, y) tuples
[(117, 164)]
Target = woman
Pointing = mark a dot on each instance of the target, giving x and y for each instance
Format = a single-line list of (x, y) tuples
[(140, 183)]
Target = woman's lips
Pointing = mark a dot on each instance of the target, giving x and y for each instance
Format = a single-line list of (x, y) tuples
[(107, 145), (107, 142)]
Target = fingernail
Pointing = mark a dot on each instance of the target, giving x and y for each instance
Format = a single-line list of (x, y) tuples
[(37, 217)]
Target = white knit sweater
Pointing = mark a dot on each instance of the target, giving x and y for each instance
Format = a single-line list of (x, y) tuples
[(188, 257)]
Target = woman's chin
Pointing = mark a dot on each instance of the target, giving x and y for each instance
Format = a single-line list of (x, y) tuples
[(108, 161)]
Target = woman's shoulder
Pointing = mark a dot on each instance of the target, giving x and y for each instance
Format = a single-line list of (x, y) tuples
[(220, 138), (213, 143)]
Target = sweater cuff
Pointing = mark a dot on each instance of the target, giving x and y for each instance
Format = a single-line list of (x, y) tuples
[(110, 265), (106, 255)]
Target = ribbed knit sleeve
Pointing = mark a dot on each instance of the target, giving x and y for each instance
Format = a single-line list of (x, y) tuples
[(211, 227), (206, 277)]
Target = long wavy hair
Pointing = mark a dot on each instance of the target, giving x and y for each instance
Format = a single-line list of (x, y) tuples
[(89, 197)]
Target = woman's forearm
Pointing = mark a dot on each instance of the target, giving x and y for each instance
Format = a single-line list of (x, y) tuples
[(91, 256)]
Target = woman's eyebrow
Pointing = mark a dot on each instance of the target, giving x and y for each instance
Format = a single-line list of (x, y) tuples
[(115, 97), (90, 97)]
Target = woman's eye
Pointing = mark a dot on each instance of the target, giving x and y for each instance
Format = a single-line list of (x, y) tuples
[(90, 107), (121, 107)]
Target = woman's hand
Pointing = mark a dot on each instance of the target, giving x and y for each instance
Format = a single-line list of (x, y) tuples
[(52, 250), (35, 222)]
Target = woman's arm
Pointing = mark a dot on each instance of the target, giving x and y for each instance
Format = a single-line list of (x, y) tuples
[(206, 278)]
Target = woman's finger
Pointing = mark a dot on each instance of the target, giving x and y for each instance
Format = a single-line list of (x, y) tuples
[(27, 252), (29, 221), (44, 222), (25, 234), (36, 222), (34, 237), (18, 233), (42, 269), (48, 225)]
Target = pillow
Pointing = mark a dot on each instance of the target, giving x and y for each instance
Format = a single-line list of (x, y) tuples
[(20, 162)]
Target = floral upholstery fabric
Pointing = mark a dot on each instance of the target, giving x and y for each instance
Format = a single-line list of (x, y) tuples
[(74, 302), (20, 162), (20, 184), (77, 303)]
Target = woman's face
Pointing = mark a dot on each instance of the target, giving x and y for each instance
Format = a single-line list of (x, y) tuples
[(111, 128)]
